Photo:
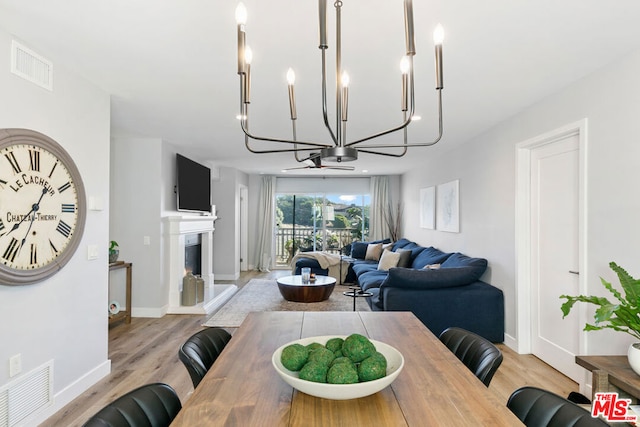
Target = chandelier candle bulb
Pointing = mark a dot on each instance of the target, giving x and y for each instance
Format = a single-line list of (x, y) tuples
[(322, 6), (408, 27), (438, 38)]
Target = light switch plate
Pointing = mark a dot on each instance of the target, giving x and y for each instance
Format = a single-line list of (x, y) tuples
[(92, 252), (15, 365)]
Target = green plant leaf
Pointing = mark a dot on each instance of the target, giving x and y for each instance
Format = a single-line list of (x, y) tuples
[(630, 285), (622, 317)]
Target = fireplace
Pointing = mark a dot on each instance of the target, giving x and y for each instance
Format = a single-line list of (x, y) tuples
[(193, 254), (189, 246)]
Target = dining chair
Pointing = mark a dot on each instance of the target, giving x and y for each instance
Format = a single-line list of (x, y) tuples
[(477, 353), (200, 351), (152, 405), (536, 407)]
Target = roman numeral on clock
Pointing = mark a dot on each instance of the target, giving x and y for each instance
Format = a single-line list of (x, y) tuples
[(68, 208), (34, 160), (1, 227), (63, 228), (34, 254), (12, 250), (53, 168), (64, 187), (14, 163), (55, 250), (2, 183)]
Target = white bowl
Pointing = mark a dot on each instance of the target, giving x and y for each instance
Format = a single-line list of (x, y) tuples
[(395, 362)]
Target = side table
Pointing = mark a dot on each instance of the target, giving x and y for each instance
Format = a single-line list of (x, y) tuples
[(356, 292), (349, 260), (123, 314)]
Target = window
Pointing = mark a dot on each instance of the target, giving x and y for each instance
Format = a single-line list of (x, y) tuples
[(319, 222)]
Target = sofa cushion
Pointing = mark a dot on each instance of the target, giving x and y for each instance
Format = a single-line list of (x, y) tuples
[(429, 255), (400, 244), (371, 279), (374, 251), (460, 260), (431, 279), (405, 258), (363, 266), (359, 249), (388, 259)]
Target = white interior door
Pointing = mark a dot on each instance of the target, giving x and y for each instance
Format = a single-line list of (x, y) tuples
[(555, 187)]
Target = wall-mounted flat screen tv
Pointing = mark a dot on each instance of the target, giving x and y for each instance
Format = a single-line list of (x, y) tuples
[(193, 187)]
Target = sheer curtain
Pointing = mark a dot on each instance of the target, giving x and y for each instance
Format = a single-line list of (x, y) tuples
[(265, 223), (380, 203)]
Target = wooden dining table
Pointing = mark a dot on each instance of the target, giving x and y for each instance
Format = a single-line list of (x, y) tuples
[(434, 388)]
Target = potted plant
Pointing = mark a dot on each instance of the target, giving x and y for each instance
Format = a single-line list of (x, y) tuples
[(622, 315), (113, 251)]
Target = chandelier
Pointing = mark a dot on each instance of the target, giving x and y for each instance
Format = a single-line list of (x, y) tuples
[(339, 149)]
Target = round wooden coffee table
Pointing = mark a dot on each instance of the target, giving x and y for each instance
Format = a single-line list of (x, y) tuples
[(292, 288)]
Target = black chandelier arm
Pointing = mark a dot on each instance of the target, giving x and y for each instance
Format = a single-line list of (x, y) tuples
[(284, 150), (403, 126), (407, 119), (244, 120), (381, 153)]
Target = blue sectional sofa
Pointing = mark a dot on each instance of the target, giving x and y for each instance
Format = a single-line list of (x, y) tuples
[(448, 292)]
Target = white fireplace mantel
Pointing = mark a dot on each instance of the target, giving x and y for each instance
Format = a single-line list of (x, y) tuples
[(176, 229)]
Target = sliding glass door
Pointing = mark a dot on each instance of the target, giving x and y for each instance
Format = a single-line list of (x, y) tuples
[(318, 222)]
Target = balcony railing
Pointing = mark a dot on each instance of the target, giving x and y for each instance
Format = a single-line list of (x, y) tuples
[(337, 238)]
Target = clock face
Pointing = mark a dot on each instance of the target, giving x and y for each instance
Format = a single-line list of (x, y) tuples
[(42, 207)]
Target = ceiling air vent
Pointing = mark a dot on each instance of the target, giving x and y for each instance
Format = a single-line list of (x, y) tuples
[(31, 66)]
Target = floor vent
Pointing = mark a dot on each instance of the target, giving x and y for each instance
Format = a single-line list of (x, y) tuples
[(26, 395), (31, 66)]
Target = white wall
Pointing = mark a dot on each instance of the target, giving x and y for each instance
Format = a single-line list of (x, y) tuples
[(136, 194), (64, 318), (485, 166)]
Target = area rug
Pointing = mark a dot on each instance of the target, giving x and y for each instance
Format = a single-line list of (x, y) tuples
[(263, 295)]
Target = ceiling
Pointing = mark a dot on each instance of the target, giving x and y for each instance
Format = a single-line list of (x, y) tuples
[(170, 66)]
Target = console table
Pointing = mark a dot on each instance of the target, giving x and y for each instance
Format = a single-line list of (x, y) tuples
[(123, 314), (612, 373)]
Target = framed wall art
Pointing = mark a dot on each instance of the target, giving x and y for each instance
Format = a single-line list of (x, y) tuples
[(448, 217)]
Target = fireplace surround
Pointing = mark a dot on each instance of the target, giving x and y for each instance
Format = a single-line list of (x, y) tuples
[(180, 232)]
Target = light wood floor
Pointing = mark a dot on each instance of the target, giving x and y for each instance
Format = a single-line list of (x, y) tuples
[(147, 351)]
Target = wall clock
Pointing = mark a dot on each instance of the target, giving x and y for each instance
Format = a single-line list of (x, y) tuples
[(42, 207)]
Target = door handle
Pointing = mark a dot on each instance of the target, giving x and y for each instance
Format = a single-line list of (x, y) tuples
[(574, 272)]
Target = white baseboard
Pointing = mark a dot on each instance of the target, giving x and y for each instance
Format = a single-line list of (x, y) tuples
[(234, 276), (73, 390), (154, 312), (511, 342)]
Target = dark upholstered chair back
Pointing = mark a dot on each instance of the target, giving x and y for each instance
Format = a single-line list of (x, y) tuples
[(477, 353), (540, 408), (200, 351), (152, 405)]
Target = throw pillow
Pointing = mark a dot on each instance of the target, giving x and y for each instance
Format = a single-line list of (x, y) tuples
[(374, 251), (359, 250), (405, 258), (388, 260)]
